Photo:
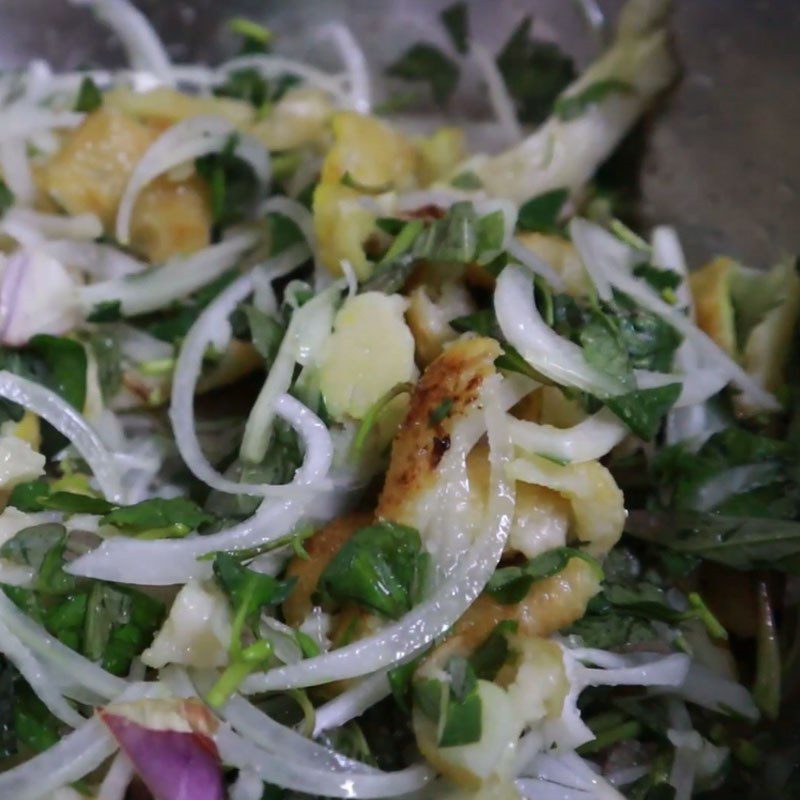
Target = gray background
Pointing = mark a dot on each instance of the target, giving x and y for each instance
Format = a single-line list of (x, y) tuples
[(723, 152)]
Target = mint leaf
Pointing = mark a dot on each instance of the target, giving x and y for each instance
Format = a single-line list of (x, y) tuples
[(643, 410), (541, 213)]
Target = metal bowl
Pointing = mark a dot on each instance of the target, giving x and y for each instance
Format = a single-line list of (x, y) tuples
[(722, 156)]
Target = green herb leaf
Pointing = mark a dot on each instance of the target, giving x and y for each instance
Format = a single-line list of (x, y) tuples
[(455, 19), (42, 547), (661, 280), (390, 277), (400, 682), (491, 656), (382, 567), (266, 332), (643, 409), (483, 322), (108, 357), (541, 213), (569, 107), (604, 349), (256, 38), (107, 311), (36, 728), (511, 584), (467, 180), (535, 73), (90, 98), (65, 363), (6, 197), (426, 63), (174, 516)]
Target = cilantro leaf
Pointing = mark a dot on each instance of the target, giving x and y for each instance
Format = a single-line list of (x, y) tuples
[(6, 197), (455, 19), (38, 496), (424, 62), (382, 567), (511, 584), (572, 106), (42, 548), (604, 348), (176, 516), (65, 365), (642, 410), (107, 311), (541, 213), (662, 280), (90, 98), (441, 412), (490, 657), (535, 73)]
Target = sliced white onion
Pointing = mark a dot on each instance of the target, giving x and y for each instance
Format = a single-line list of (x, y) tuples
[(61, 661), (286, 743), (248, 786), (314, 316), (15, 574), (294, 211), (446, 604), (270, 66), (668, 254), (69, 422), (168, 562), (144, 48), (119, 775), (67, 761), (57, 226), (509, 211), (535, 264), (27, 122), (315, 436), (545, 350), (354, 60), (601, 252), (101, 262), (501, 101), (179, 277), (352, 703), (568, 771), (707, 689), (273, 268), (587, 441), (16, 170), (38, 678), (299, 776), (183, 142)]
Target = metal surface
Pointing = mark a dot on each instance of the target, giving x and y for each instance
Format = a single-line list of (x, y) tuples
[(723, 152)]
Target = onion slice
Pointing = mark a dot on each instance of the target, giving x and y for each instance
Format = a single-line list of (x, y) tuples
[(69, 422)]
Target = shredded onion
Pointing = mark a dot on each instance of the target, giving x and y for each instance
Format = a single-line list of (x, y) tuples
[(354, 60), (119, 775), (16, 170), (288, 773), (38, 678), (69, 422), (172, 561), (588, 440), (544, 349), (435, 615), (352, 702), (51, 226), (707, 689), (179, 277), (100, 261), (498, 93), (295, 211), (183, 142), (142, 44), (317, 440), (24, 123), (535, 264)]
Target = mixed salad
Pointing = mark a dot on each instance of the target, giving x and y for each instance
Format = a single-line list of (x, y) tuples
[(336, 461)]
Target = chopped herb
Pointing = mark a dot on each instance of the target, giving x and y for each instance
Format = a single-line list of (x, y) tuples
[(390, 276), (572, 106), (6, 197), (349, 181), (491, 656), (604, 348), (107, 311), (257, 38), (372, 416), (511, 584), (266, 333), (107, 355), (159, 517), (441, 412), (467, 180), (400, 682), (90, 98), (535, 73), (382, 567), (42, 548), (642, 410), (455, 19), (426, 63), (541, 213), (38, 495)]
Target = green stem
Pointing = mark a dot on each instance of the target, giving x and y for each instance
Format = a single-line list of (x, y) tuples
[(251, 658)]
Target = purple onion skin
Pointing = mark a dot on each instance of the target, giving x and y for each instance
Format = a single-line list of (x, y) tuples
[(172, 764)]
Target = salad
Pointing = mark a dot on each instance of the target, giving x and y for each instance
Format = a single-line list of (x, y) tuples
[(338, 461)]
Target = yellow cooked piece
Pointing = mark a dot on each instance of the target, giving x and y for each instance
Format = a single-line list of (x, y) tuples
[(299, 119), (711, 290), (439, 154)]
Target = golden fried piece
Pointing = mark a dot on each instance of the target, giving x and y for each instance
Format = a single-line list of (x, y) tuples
[(711, 290), (92, 169)]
